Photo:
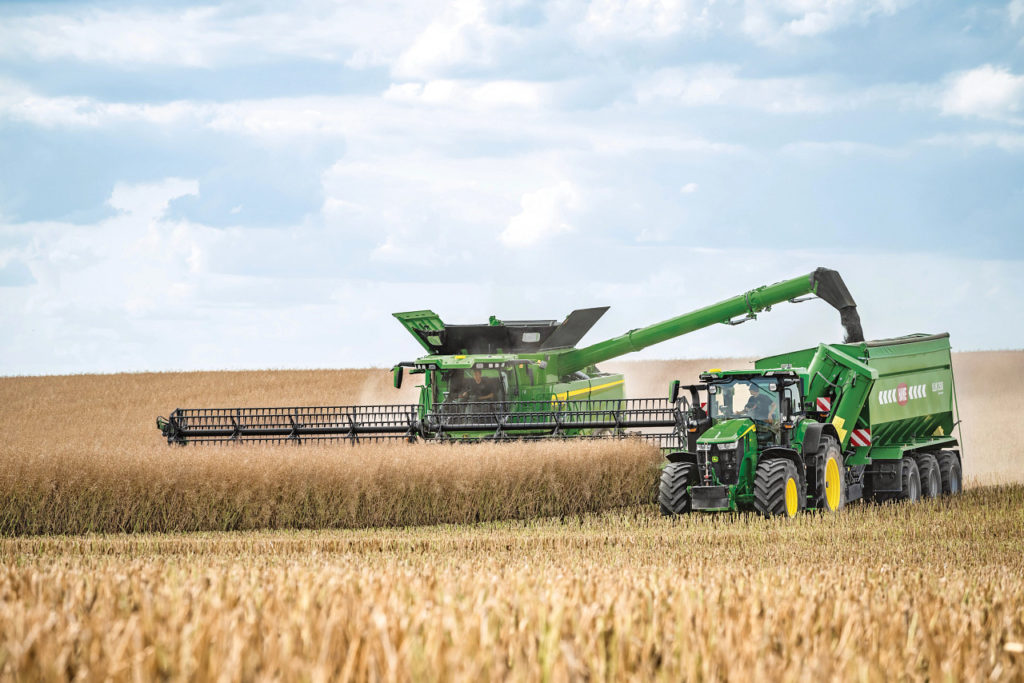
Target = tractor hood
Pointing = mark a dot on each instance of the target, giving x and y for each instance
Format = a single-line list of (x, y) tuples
[(727, 431)]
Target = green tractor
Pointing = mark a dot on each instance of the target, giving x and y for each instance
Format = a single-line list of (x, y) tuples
[(821, 427)]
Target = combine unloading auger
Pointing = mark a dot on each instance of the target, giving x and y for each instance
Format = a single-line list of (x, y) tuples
[(513, 380)]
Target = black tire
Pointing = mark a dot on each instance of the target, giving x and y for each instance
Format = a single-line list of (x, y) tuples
[(771, 483), (829, 452), (673, 498), (931, 480), (910, 478), (950, 473)]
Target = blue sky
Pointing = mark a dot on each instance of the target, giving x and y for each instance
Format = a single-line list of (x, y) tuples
[(252, 184)]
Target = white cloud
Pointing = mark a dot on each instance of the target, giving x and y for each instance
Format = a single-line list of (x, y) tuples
[(150, 200), (473, 94), (1016, 11), (545, 213), (1008, 142), (987, 92), (462, 36), (360, 34), (776, 22), (644, 19), (840, 147), (720, 85), (688, 188)]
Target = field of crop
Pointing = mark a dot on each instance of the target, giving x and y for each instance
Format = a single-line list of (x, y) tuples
[(929, 592), (574, 578)]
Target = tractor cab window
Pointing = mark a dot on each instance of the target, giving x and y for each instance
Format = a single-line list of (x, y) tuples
[(469, 386), (756, 398)]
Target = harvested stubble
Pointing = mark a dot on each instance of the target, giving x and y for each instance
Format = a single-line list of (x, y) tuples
[(925, 592), (317, 486)]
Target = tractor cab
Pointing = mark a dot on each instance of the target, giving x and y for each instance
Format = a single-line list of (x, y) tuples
[(747, 412)]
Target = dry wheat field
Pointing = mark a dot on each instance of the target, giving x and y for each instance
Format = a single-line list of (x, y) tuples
[(472, 563)]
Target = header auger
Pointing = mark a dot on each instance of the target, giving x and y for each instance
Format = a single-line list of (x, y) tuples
[(512, 379)]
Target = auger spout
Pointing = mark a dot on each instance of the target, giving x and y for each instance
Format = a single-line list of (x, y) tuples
[(825, 283)]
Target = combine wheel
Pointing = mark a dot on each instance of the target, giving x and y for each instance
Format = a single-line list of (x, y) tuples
[(673, 497), (832, 496), (931, 480), (911, 481), (950, 473), (777, 488)]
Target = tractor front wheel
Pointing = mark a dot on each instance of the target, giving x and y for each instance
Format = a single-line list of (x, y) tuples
[(673, 493), (777, 489)]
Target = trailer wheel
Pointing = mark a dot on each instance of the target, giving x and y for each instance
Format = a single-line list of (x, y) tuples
[(777, 488), (950, 473), (931, 479), (673, 497), (911, 481), (832, 496)]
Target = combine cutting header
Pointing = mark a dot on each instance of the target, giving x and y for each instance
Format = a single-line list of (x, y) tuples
[(504, 379)]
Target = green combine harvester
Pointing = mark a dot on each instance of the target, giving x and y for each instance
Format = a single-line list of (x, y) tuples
[(511, 379), (507, 380)]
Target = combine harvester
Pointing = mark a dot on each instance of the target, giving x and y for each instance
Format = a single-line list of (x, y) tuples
[(526, 380)]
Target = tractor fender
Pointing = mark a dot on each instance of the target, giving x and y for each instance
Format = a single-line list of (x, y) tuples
[(781, 453), (812, 437), (682, 456)]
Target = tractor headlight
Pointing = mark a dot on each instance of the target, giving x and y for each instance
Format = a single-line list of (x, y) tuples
[(703, 447), (728, 446)]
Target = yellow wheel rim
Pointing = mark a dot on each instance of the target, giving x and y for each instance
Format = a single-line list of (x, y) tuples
[(791, 497), (832, 485)]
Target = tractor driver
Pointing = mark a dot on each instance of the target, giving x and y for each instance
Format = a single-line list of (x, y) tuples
[(480, 389), (759, 406)]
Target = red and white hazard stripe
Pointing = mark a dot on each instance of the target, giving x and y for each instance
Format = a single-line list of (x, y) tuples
[(860, 437), (824, 404)]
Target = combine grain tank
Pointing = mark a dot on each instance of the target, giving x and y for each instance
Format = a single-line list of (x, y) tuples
[(820, 427)]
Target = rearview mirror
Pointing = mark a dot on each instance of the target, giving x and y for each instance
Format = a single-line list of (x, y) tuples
[(396, 376), (673, 391)]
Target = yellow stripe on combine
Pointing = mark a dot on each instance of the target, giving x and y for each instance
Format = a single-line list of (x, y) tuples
[(564, 396), (749, 429)]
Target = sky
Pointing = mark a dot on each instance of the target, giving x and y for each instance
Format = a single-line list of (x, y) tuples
[(260, 185)]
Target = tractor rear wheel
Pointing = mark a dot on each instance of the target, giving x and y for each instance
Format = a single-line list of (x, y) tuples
[(931, 480), (777, 488), (673, 496), (832, 496), (951, 474), (910, 478)]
